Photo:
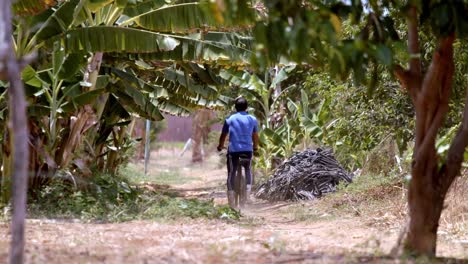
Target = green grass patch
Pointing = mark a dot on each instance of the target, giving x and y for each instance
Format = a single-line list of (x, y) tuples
[(135, 174), (110, 198)]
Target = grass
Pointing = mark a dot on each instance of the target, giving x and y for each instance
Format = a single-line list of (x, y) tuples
[(135, 174), (368, 194), (454, 218), (113, 199), (382, 201), (306, 212), (168, 145)]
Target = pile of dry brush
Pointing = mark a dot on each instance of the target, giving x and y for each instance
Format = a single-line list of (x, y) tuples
[(305, 176)]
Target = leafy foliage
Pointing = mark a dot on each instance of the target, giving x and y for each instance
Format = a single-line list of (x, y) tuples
[(357, 125)]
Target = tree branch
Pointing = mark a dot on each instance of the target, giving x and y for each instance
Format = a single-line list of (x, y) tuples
[(404, 77), (442, 63), (413, 43), (433, 98), (455, 154)]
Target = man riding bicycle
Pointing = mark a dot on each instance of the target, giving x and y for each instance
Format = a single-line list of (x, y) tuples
[(243, 141)]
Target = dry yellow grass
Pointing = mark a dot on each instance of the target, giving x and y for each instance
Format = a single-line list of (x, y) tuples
[(454, 219)]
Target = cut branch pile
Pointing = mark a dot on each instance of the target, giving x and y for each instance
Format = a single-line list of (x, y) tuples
[(305, 176)]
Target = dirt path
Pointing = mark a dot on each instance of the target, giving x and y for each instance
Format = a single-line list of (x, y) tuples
[(267, 233)]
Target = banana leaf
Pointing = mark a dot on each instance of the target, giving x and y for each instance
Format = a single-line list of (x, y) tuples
[(195, 48), (181, 78), (87, 97), (177, 18), (32, 7), (135, 9), (117, 39), (172, 109), (135, 101), (95, 5), (113, 112), (157, 91), (59, 21), (205, 73)]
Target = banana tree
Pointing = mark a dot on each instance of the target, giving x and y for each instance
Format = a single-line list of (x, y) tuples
[(74, 25)]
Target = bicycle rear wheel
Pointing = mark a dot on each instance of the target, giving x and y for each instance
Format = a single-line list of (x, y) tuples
[(243, 188), (244, 163), (237, 186)]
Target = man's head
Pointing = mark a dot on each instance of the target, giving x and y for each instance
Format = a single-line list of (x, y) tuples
[(241, 104)]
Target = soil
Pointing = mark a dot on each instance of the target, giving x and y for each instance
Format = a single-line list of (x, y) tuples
[(266, 233)]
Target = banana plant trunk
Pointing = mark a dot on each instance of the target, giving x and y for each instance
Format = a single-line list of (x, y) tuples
[(19, 132), (431, 175), (6, 163), (85, 116), (200, 131)]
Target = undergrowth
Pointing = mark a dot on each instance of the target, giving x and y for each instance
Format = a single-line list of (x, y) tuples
[(367, 195), (112, 199), (367, 190), (382, 201)]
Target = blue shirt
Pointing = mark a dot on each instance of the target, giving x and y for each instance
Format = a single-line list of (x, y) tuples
[(240, 127)]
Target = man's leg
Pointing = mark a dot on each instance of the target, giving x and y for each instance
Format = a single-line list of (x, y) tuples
[(248, 174), (232, 161), (248, 169), (228, 166), (232, 164)]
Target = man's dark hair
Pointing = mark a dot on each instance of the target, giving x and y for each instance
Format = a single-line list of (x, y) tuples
[(241, 104)]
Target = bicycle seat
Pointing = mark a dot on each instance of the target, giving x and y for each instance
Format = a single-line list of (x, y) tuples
[(244, 156), (244, 159)]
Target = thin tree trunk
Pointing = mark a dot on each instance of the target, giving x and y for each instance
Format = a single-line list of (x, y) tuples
[(19, 128)]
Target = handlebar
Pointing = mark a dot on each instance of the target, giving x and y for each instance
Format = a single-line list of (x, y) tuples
[(223, 151)]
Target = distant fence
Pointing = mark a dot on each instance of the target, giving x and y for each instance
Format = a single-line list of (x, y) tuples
[(179, 129)]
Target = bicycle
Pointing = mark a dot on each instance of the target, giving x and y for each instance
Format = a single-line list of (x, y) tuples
[(240, 181)]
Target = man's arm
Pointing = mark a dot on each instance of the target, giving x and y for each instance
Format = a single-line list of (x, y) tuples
[(222, 138), (255, 140)]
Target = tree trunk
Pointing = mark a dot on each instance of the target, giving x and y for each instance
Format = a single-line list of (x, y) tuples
[(19, 129), (431, 178), (425, 204)]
